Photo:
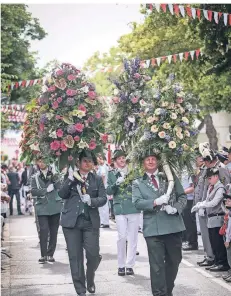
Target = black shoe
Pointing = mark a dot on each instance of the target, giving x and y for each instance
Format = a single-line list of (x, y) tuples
[(227, 275), (121, 271), (137, 253), (140, 230), (50, 259), (104, 226), (129, 271), (207, 263), (190, 248), (219, 268), (43, 260), (209, 267), (82, 294), (228, 280), (20, 214), (91, 289)]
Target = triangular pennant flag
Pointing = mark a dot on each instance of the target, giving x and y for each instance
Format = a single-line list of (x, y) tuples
[(181, 55), (193, 12), (174, 58), (164, 7), (157, 7), (189, 12), (18, 107), (210, 15), (170, 7), (142, 64), (151, 7), (153, 62), (23, 83), (176, 9), (12, 86), (199, 14), (230, 19), (16, 85), (206, 14), (35, 81), (31, 82), (192, 52), (158, 60), (27, 83), (225, 18), (219, 15), (169, 58), (19, 83), (148, 63), (197, 53), (216, 17), (182, 11)]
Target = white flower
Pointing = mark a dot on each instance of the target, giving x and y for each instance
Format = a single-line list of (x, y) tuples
[(173, 115), (143, 103), (162, 135), (85, 89), (34, 147), (185, 119), (158, 111), (172, 144), (82, 144), (150, 119), (154, 128), (53, 135), (185, 147), (179, 135), (187, 133), (164, 104), (178, 129), (116, 91), (81, 113), (166, 125), (132, 119)]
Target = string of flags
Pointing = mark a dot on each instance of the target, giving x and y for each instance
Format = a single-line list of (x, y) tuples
[(15, 107), (9, 142), (26, 83), (17, 118), (193, 12)]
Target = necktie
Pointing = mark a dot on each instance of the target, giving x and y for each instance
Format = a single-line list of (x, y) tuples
[(211, 188), (154, 182)]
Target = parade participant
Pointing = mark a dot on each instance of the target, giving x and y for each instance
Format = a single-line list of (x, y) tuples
[(44, 186), (227, 230), (13, 189), (81, 222), (126, 215), (228, 165), (162, 227), (25, 183), (213, 207), (103, 172)]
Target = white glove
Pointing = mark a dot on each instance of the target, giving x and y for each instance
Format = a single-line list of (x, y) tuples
[(196, 207), (86, 199), (163, 199), (70, 174), (201, 212), (120, 180), (50, 188), (170, 210)]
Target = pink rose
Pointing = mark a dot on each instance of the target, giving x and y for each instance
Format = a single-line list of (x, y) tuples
[(82, 108), (92, 145), (59, 133), (55, 145), (59, 72), (71, 77), (134, 100), (70, 158), (91, 119), (55, 105), (63, 147), (104, 138), (76, 138), (137, 76), (41, 127), (79, 127), (71, 92), (59, 100), (116, 100), (58, 117), (98, 115), (58, 153), (92, 95), (51, 89)]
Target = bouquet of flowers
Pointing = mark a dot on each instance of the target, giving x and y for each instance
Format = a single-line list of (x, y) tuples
[(70, 116), (129, 98)]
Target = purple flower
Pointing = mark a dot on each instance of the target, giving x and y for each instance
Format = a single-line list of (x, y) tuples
[(167, 138), (171, 76), (43, 118), (179, 150), (70, 102), (126, 65), (71, 129), (123, 97)]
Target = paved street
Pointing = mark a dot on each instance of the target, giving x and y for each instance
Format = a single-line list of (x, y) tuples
[(23, 276)]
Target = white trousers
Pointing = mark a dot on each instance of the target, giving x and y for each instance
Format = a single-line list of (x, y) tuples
[(104, 214), (141, 221), (127, 227)]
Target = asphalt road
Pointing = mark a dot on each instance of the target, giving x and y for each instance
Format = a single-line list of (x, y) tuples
[(23, 276)]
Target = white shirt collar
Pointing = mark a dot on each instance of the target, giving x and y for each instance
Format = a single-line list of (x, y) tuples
[(155, 174)]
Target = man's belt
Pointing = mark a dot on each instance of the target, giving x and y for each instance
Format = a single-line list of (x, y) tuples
[(214, 215)]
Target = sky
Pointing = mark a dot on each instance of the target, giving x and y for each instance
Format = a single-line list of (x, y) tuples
[(76, 31)]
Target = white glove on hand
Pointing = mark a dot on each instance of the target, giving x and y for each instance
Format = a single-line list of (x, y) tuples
[(201, 212), (170, 210), (196, 207), (120, 180), (163, 199), (86, 199), (50, 188)]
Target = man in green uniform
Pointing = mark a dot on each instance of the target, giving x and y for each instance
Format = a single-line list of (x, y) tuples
[(163, 226)]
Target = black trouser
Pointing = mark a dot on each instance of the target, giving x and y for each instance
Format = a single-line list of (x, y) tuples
[(165, 255), (16, 193), (112, 208), (48, 224), (190, 234), (83, 235), (218, 247)]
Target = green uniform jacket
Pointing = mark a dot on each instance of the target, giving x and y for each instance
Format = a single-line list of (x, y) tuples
[(47, 203), (122, 198), (157, 222)]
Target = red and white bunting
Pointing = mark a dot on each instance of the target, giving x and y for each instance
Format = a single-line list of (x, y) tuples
[(192, 12), (25, 83), (9, 142), (13, 107)]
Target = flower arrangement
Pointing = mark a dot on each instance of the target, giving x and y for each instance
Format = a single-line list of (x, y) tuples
[(70, 116)]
